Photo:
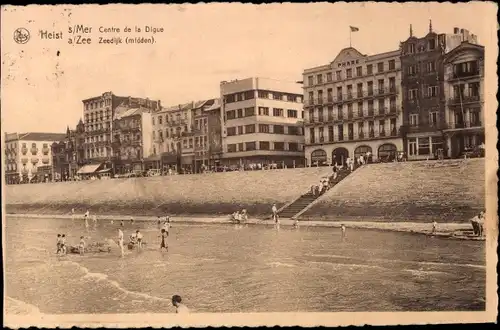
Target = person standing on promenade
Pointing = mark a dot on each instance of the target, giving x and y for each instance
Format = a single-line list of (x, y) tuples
[(343, 231), (179, 306), (120, 241)]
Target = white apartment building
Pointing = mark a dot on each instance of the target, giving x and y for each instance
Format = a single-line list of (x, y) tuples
[(262, 122), (353, 106), (29, 155), (464, 94)]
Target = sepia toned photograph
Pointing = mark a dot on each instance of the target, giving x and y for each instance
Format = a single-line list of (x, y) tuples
[(321, 164)]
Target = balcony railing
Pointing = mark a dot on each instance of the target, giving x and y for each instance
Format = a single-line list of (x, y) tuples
[(381, 133), (464, 99), (350, 96), (371, 112), (341, 137), (465, 125), (350, 115), (468, 74), (394, 132), (371, 134), (351, 136), (361, 135)]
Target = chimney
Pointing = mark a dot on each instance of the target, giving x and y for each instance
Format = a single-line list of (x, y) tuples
[(456, 30)]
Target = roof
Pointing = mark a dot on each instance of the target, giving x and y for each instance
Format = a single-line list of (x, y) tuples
[(464, 46), (35, 136), (215, 105), (124, 112), (86, 169)]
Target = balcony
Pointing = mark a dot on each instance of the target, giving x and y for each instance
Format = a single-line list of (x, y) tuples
[(371, 134), (349, 96), (361, 135), (457, 100), (381, 133), (371, 112), (341, 137), (351, 136), (465, 125), (350, 115), (465, 75), (394, 132), (360, 112)]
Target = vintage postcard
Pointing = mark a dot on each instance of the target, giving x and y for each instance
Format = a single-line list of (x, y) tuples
[(223, 164)]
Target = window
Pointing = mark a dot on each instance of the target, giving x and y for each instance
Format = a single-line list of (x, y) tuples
[(249, 112), (433, 118), (264, 145), (249, 95), (433, 91), (292, 113), (240, 113), (277, 112), (240, 130), (160, 120), (277, 96), (348, 73), (432, 44), (231, 114), (263, 128), (423, 146), (392, 65), (153, 121), (431, 66), (231, 148), (263, 111), (293, 130), (311, 135), (359, 89), (240, 147), (475, 117), (340, 130), (380, 67), (381, 106), (381, 128), (414, 119), (412, 70), (154, 135), (250, 146), (321, 134), (265, 95), (413, 94), (437, 143), (339, 75), (411, 48), (160, 135), (330, 133), (231, 131), (249, 129), (319, 78), (392, 84), (310, 82), (359, 71), (361, 132), (278, 129), (279, 146), (369, 69), (292, 146), (328, 76)]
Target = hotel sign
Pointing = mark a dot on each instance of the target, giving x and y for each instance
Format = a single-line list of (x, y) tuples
[(348, 63)]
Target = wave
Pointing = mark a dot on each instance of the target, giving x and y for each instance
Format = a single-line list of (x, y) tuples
[(331, 256), (430, 263), (104, 277), (280, 264), (419, 272), (15, 306), (335, 264)]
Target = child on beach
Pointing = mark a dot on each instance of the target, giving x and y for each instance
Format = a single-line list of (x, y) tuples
[(138, 235), (120, 241), (59, 239), (163, 244), (343, 231), (81, 246), (179, 306)]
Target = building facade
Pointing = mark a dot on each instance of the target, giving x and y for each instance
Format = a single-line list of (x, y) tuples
[(207, 135), (99, 113), (175, 136), (424, 93), (262, 122), (352, 106), (132, 140), (464, 95), (68, 155), (28, 156)]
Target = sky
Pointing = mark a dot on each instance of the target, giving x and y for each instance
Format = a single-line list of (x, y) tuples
[(44, 81)]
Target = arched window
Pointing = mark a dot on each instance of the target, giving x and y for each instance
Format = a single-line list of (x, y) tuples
[(387, 152), (361, 150), (318, 156)]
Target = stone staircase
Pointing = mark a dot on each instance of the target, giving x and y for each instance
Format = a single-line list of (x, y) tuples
[(293, 209)]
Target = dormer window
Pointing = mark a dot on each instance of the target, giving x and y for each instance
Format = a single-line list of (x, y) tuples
[(432, 44), (411, 48)]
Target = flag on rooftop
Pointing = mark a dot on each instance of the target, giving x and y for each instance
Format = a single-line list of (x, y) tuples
[(354, 29)]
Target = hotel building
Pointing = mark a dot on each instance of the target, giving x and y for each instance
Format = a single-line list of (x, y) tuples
[(262, 122), (464, 94), (28, 156), (68, 154), (99, 113), (423, 91), (353, 106)]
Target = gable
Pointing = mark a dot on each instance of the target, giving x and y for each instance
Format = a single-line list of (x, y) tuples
[(347, 57), (465, 52)]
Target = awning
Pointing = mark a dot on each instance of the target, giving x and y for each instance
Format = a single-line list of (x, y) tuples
[(104, 171), (87, 169)]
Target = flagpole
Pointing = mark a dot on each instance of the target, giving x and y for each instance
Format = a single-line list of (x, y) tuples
[(350, 37)]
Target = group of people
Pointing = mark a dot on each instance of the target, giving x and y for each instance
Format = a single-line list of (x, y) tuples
[(239, 216)]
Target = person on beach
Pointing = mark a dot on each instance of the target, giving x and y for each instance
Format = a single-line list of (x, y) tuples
[(72, 214), (122, 223), (59, 240), (81, 246), (335, 171), (63, 243), (158, 222), (120, 241), (132, 220), (163, 244), (480, 224), (179, 306), (296, 224), (94, 219), (275, 216), (138, 236), (86, 215), (434, 227), (343, 231), (475, 222), (166, 226)]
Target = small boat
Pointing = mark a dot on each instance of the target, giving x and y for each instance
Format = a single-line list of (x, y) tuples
[(97, 247)]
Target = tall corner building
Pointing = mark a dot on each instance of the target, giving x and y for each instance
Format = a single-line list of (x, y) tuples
[(424, 99), (262, 122), (352, 107)]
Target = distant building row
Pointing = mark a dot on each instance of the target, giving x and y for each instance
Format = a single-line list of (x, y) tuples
[(424, 100)]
